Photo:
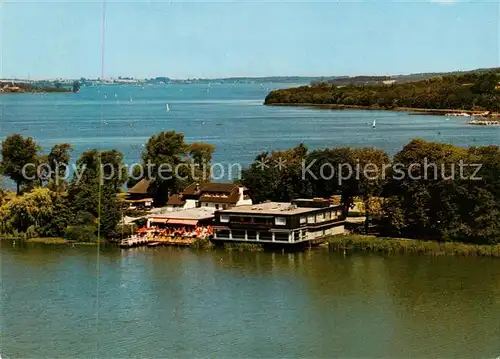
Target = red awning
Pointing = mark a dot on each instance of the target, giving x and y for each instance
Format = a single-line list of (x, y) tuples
[(159, 220), (184, 222), (175, 221)]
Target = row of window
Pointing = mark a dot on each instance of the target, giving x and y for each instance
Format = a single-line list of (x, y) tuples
[(252, 235), (281, 221), (319, 218)]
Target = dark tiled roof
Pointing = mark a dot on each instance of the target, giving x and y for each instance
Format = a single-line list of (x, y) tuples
[(219, 187), (218, 197), (195, 189), (141, 187), (191, 190), (175, 200)]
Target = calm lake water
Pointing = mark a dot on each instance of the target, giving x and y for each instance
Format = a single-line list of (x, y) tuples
[(231, 117), (60, 301)]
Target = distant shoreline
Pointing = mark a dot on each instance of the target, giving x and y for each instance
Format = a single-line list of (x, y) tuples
[(30, 92), (26, 88), (415, 111)]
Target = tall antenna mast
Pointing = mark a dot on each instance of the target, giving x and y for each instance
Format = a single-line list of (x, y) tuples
[(99, 163)]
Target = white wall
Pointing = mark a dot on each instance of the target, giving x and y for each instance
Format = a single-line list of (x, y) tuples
[(190, 203), (214, 205), (243, 202)]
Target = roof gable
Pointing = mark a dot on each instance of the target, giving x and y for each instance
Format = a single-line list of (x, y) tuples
[(140, 187)]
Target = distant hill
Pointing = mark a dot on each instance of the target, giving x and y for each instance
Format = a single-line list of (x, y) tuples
[(470, 90), (395, 79), (335, 80)]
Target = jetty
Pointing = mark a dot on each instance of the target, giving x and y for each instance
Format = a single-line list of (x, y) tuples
[(134, 241), (155, 241)]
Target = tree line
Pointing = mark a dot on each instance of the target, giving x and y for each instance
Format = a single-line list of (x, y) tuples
[(48, 204), (468, 91), (427, 190)]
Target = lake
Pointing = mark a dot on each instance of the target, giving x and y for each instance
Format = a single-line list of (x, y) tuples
[(64, 301), (230, 116)]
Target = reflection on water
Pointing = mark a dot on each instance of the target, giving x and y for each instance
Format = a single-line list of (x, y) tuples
[(170, 302)]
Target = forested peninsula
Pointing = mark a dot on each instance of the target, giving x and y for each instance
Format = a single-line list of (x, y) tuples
[(470, 91), (8, 87)]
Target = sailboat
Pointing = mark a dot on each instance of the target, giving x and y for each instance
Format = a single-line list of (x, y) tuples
[(130, 98), (167, 108), (374, 123)]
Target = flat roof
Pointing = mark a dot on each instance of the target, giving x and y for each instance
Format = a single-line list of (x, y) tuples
[(190, 213), (271, 208)]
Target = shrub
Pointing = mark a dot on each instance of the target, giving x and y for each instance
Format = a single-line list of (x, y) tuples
[(202, 243), (243, 247), (123, 231), (80, 233)]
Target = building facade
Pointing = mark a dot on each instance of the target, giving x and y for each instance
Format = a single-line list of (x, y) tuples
[(140, 196), (300, 221), (212, 195)]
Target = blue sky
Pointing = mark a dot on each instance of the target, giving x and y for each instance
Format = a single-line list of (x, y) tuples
[(221, 39)]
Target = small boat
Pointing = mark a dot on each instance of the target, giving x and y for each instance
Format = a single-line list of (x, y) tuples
[(374, 123)]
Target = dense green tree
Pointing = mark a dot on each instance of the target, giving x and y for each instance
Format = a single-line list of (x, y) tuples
[(93, 191), (60, 219), (201, 156), (277, 176), (331, 171), (437, 194), (165, 153), (31, 210), (80, 233), (58, 159), (201, 153), (18, 153), (173, 164), (470, 91), (371, 165)]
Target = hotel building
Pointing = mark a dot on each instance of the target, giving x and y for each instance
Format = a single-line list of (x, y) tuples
[(299, 221)]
